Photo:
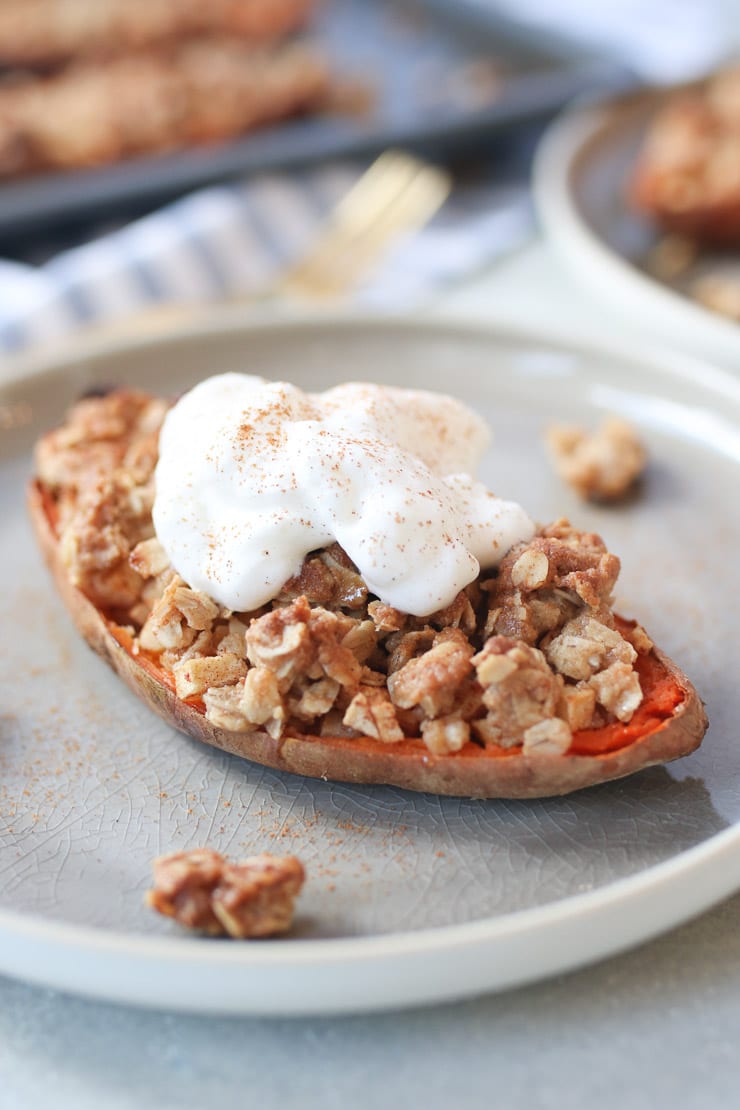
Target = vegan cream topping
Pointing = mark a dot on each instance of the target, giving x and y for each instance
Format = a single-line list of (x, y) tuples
[(255, 474)]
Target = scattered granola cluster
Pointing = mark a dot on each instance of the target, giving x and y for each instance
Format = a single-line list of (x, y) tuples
[(204, 892), (718, 290), (92, 82), (602, 466), (525, 657)]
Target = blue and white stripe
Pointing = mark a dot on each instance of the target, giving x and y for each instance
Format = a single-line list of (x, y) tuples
[(232, 240)]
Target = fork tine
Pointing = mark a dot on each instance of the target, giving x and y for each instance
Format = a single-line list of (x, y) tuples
[(350, 248), (425, 194), (377, 191), (379, 185), (343, 259), (348, 266)]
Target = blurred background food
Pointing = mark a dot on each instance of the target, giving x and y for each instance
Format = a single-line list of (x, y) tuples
[(254, 116), (42, 34), (687, 174), (88, 82), (686, 180)]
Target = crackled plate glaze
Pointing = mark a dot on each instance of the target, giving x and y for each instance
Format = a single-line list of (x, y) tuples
[(581, 177), (410, 898)]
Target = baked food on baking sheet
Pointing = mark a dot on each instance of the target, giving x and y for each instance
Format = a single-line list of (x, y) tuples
[(197, 92), (45, 33), (89, 84), (329, 591), (604, 465)]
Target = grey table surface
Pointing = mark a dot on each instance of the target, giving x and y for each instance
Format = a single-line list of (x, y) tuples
[(655, 1027)]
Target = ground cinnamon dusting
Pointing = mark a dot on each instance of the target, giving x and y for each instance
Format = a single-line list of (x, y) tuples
[(527, 657)]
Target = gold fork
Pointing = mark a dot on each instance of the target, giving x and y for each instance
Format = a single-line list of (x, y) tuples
[(396, 195)]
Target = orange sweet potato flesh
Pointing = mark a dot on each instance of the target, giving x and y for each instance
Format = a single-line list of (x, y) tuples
[(670, 722)]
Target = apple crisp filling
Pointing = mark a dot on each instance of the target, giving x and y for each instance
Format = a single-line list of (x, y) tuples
[(523, 657)]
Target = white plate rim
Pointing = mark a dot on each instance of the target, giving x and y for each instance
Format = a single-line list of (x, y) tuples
[(300, 977), (660, 310)]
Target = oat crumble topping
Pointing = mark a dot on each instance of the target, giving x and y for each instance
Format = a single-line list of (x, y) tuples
[(523, 657)]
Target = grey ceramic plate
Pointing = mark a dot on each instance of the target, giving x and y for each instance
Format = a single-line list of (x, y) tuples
[(409, 897), (581, 178)]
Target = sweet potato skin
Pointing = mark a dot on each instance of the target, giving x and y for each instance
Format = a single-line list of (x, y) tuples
[(471, 773)]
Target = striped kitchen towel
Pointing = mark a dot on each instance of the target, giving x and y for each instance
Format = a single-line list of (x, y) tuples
[(231, 240)]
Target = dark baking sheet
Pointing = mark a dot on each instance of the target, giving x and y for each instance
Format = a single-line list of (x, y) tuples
[(427, 63)]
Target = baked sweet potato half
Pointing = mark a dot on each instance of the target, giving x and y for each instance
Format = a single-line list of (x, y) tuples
[(526, 686)]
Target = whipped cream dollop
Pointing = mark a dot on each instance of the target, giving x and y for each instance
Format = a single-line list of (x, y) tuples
[(254, 474)]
